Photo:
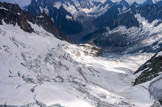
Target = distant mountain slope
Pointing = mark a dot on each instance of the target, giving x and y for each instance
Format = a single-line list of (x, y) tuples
[(130, 29), (111, 14), (70, 16), (78, 18)]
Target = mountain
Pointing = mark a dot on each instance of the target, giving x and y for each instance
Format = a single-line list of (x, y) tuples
[(114, 26), (135, 5), (78, 18), (112, 13), (150, 2), (61, 17), (38, 68), (12, 14), (74, 7), (69, 15), (129, 30)]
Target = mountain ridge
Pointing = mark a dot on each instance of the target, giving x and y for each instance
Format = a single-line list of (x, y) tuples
[(12, 14), (80, 18)]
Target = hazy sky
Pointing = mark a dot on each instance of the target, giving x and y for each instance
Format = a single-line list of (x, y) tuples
[(20, 2)]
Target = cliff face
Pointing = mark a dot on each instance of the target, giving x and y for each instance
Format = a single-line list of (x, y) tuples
[(12, 14), (151, 69)]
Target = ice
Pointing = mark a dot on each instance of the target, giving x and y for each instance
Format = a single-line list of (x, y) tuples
[(39, 69)]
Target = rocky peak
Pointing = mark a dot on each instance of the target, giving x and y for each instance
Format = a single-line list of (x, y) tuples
[(135, 5), (124, 3), (14, 8), (12, 14)]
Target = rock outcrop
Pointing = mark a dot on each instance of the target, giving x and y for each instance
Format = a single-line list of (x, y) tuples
[(12, 14), (151, 69), (92, 49)]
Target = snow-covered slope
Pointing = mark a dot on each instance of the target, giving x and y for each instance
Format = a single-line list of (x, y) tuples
[(36, 69)]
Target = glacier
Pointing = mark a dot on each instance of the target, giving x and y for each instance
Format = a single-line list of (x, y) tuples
[(37, 69)]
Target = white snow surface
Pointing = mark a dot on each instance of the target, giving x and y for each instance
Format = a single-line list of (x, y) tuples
[(37, 67)]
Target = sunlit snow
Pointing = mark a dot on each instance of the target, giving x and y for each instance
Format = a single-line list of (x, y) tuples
[(39, 68)]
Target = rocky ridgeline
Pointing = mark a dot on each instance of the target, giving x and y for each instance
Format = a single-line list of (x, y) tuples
[(12, 14), (151, 69)]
